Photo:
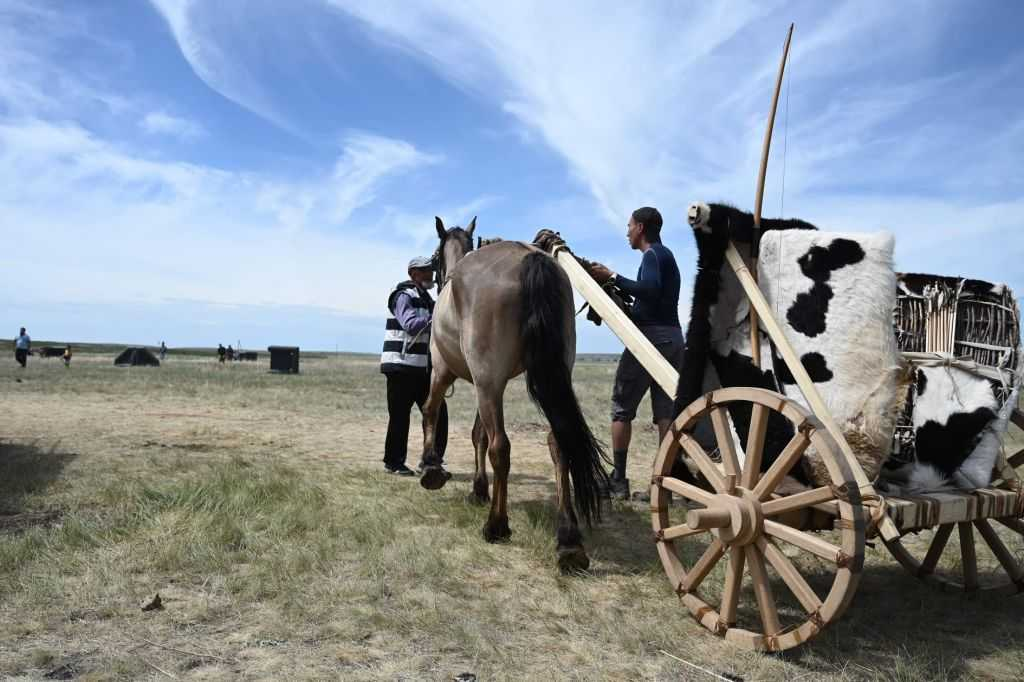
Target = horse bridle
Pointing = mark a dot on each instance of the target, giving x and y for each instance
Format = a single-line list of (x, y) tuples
[(440, 268)]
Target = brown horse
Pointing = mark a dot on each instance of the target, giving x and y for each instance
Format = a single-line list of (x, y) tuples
[(502, 310)]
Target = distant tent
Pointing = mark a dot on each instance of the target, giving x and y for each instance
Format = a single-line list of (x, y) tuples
[(133, 357)]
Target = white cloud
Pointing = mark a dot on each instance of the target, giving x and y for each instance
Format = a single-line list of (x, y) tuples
[(109, 226), (162, 123)]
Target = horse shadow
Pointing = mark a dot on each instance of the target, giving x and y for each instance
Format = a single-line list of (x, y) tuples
[(26, 470)]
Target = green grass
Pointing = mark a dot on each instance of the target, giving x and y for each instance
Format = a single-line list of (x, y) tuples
[(256, 506)]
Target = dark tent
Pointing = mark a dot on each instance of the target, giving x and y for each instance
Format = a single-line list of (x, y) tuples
[(133, 357)]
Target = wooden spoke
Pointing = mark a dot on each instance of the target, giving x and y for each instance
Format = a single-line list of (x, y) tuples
[(1009, 564), (935, 549), (1016, 459), (690, 492), (680, 531), (781, 466), (968, 558), (798, 501), (763, 591), (755, 445), (790, 575), (807, 542), (703, 462), (733, 581), (726, 446), (695, 576), (744, 520)]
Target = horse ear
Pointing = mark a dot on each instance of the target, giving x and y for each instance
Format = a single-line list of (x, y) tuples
[(472, 226), (441, 232)]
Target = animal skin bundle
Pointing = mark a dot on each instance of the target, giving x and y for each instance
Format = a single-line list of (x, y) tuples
[(963, 337)]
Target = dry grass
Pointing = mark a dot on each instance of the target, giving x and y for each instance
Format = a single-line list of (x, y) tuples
[(256, 506)]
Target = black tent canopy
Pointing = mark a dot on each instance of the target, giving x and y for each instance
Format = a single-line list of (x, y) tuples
[(134, 357)]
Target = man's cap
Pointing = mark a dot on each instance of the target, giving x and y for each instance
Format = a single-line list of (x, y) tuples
[(421, 263)]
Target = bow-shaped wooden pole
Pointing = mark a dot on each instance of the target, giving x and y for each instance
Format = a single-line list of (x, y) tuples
[(755, 336)]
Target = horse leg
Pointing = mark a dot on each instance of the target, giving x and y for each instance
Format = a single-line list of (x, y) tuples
[(571, 555), (498, 451), (480, 494), (433, 476)]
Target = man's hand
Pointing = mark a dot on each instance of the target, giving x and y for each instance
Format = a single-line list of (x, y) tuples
[(600, 273)]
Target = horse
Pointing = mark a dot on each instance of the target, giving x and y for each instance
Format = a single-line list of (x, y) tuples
[(503, 310)]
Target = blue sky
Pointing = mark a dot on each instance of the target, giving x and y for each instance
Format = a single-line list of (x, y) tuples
[(204, 172)]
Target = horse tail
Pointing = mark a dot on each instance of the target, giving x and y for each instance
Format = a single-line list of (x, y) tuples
[(545, 309)]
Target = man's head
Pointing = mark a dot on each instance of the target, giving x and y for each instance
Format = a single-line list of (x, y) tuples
[(421, 271), (644, 227), (22, 331)]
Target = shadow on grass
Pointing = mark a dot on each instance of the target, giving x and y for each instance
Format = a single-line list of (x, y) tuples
[(898, 627), (27, 471)]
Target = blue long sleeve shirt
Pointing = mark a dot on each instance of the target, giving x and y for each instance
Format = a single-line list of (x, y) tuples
[(655, 290)]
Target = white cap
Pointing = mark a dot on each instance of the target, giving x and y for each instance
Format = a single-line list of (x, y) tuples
[(421, 263)]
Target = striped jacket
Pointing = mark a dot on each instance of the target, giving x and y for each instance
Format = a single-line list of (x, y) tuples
[(405, 352)]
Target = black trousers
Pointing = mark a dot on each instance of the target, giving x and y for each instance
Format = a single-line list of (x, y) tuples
[(404, 390), (21, 355)]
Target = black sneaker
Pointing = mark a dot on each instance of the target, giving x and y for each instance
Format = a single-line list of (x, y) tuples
[(399, 470)]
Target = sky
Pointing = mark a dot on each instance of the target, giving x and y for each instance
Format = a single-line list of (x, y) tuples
[(262, 171)]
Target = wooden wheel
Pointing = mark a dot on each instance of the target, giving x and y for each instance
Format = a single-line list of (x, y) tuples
[(743, 518), (991, 565)]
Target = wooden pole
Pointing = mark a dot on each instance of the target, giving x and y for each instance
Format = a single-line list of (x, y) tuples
[(755, 338), (660, 369)]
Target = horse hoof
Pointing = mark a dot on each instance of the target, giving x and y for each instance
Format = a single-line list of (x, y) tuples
[(573, 560), (434, 478), (496, 533), (477, 500)]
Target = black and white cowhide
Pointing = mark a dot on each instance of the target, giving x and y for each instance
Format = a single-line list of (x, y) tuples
[(834, 294), (717, 352), (959, 409)]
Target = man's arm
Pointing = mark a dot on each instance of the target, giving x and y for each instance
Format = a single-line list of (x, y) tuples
[(413, 320), (649, 284)]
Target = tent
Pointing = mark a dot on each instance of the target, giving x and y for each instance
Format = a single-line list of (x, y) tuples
[(133, 357)]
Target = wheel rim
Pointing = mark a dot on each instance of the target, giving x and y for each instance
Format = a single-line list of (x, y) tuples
[(741, 521)]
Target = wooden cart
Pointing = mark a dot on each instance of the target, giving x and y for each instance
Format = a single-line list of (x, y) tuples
[(744, 518), (812, 541)]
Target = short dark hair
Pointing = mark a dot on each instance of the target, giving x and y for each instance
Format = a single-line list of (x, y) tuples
[(650, 218)]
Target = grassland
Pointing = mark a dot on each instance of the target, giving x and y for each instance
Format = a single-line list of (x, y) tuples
[(256, 506)]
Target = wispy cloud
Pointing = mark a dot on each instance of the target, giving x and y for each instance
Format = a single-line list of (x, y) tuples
[(162, 123), (192, 231)]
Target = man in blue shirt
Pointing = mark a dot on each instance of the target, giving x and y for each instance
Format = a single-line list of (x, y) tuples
[(656, 312), (22, 347)]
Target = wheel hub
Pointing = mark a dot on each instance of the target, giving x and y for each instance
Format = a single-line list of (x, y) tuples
[(736, 519)]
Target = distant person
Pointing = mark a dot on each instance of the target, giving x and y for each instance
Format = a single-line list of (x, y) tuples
[(22, 346), (163, 351), (67, 355), (231, 353), (656, 312), (405, 361), (221, 352)]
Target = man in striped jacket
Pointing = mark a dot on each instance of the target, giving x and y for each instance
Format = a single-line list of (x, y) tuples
[(405, 361)]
